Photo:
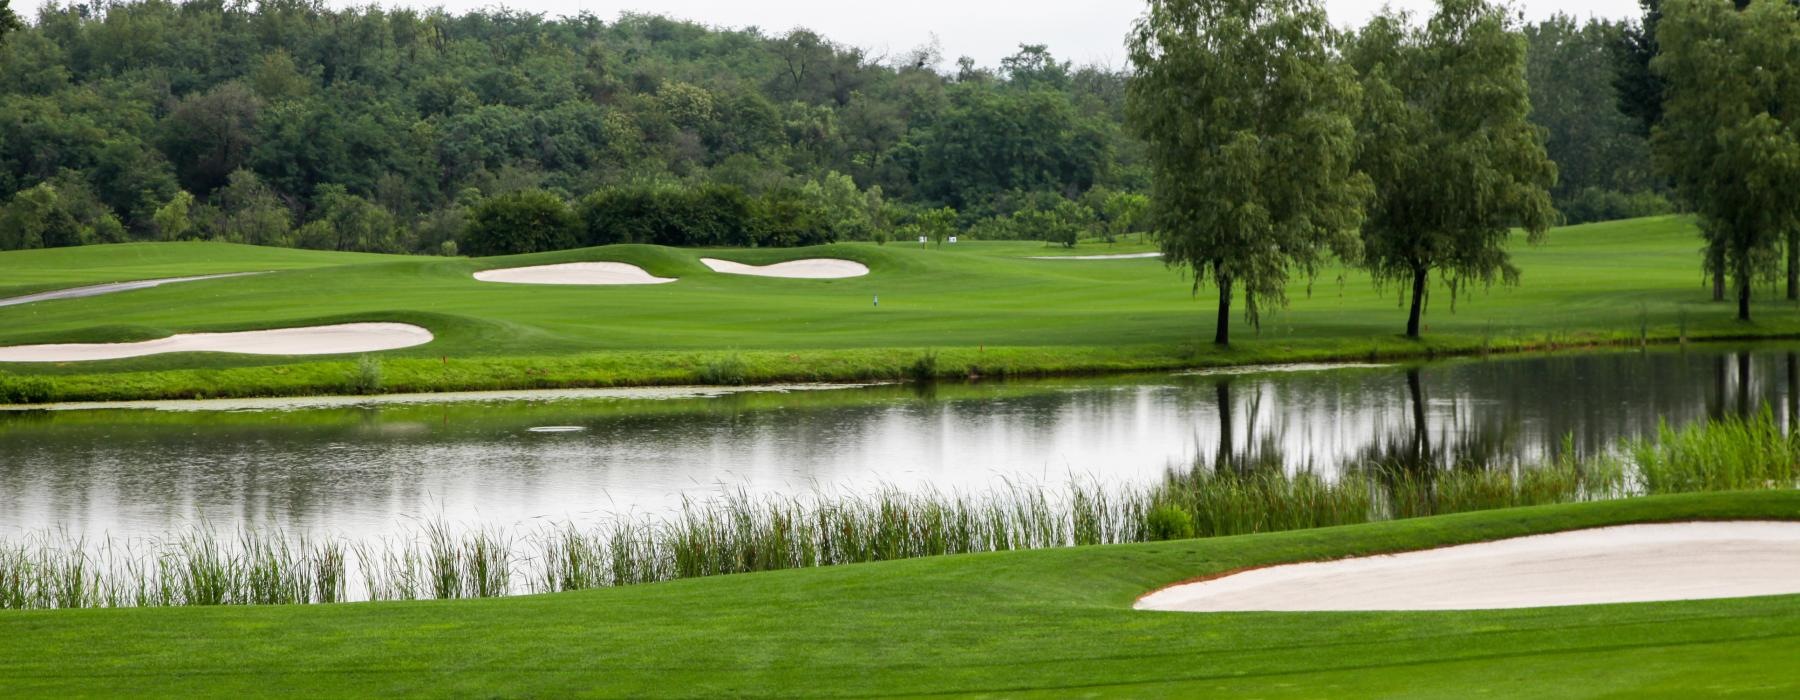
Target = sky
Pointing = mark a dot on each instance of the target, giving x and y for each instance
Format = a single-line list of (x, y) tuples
[(1085, 31)]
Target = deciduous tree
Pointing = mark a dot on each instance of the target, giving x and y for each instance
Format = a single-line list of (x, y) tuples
[(172, 220), (1446, 140), (1249, 118), (1730, 128)]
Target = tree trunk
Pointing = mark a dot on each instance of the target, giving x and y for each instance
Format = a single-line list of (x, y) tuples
[(1718, 275), (1223, 460), (1222, 336), (1793, 265), (1418, 301), (1793, 392), (1744, 299), (1720, 398), (1421, 431), (1743, 384)]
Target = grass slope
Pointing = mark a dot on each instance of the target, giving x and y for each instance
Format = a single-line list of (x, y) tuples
[(1047, 622), (28, 271), (983, 306)]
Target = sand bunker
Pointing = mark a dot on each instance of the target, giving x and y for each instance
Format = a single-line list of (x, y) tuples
[(574, 273), (812, 269), (317, 340), (1625, 564), (99, 289), (1115, 256), (1280, 368)]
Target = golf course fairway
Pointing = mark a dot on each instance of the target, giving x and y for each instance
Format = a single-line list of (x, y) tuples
[(972, 308), (1051, 623)]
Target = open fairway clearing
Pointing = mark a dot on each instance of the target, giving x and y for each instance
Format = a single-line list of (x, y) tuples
[(811, 269), (1624, 564), (316, 340), (596, 273)]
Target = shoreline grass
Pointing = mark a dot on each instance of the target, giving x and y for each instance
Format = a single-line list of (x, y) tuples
[(736, 533), (369, 375)]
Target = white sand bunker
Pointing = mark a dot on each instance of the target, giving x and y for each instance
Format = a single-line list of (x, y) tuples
[(812, 268), (1625, 564), (1282, 368), (316, 340), (1114, 256), (574, 273)]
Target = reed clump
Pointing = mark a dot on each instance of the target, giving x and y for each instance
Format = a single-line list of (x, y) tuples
[(729, 370), (367, 378), (1728, 454)]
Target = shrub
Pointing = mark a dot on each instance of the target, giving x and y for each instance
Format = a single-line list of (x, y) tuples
[(711, 215), (923, 369), (1168, 522), (1595, 204), (23, 390), (367, 379), (725, 371), (531, 221), (786, 217)]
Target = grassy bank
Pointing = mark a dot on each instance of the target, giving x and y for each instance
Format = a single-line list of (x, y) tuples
[(980, 308), (1048, 622)]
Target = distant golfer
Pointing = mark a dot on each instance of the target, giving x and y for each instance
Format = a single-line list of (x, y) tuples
[(878, 300)]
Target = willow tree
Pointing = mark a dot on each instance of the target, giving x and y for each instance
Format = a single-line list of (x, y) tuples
[(1445, 139), (1730, 131), (1249, 116)]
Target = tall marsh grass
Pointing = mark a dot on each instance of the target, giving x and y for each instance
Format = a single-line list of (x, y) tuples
[(1726, 455), (736, 532), (196, 567)]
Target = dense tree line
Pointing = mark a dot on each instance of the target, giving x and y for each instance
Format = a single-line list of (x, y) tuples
[(1601, 153), (286, 122)]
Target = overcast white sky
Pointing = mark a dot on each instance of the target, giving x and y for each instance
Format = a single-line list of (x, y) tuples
[(1086, 31)]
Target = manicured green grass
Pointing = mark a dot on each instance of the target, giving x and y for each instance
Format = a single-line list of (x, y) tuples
[(27, 271), (1049, 622), (983, 307)]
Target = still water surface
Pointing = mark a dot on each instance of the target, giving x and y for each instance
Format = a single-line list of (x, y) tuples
[(363, 470)]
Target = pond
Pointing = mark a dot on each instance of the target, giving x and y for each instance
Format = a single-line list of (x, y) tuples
[(366, 469)]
